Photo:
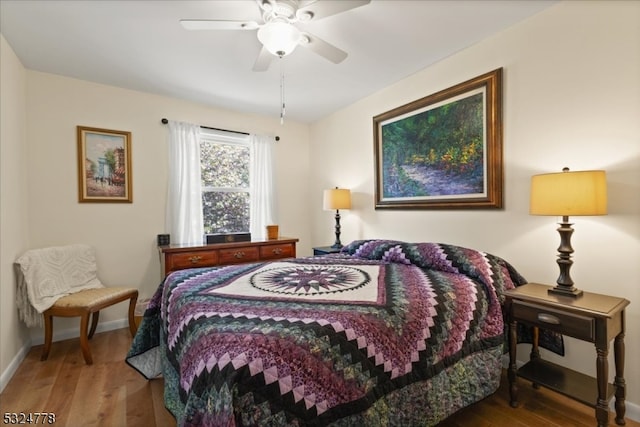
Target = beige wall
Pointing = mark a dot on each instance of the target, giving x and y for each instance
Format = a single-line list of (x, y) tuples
[(13, 206), (571, 98)]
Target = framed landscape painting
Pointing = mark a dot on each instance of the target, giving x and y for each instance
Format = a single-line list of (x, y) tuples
[(443, 151), (104, 165)]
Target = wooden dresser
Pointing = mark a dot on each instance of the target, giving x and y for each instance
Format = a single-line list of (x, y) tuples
[(179, 257)]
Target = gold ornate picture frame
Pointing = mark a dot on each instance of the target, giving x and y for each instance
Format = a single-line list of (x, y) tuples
[(104, 166)]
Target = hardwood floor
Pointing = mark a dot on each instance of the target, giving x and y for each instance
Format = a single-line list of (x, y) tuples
[(107, 393), (537, 407), (110, 393)]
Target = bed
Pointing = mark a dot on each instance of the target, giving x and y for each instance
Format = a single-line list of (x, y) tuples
[(383, 333)]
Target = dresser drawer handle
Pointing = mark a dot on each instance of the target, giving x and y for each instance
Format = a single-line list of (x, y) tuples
[(239, 254), (194, 259), (277, 251), (548, 318)]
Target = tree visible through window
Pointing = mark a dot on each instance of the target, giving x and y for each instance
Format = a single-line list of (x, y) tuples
[(224, 168)]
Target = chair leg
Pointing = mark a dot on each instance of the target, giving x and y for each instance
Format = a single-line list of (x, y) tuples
[(132, 321), (84, 338), (94, 323), (48, 335)]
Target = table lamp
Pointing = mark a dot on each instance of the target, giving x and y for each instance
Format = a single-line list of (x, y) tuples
[(336, 199), (568, 194)]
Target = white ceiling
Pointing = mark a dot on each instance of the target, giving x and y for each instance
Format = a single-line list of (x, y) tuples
[(141, 45)]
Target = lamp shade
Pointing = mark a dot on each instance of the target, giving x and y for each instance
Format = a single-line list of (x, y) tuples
[(569, 193), (280, 38), (337, 198)]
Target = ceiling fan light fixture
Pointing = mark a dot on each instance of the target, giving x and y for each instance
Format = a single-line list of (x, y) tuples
[(279, 38)]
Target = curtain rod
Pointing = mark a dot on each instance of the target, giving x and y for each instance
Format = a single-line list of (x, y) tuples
[(165, 121)]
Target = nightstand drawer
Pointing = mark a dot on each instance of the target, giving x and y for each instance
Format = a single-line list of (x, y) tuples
[(574, 325), (178, 261)]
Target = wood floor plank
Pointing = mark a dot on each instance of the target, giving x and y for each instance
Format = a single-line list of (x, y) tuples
[(141, 405), (85, 408), (65, 385), (31, 374), (111, 393), (157, 393)]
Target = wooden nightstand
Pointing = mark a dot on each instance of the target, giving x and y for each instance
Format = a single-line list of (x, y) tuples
[(325, 250), (592, 317)]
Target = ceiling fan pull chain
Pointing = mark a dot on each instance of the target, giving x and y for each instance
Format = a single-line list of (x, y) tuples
[(282, 108)]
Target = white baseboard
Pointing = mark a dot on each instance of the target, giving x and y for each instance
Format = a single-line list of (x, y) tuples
[(65, 334), (75, 333), (13, 366), (633, 411)]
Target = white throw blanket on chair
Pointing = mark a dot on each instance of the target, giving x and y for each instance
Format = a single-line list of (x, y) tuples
[(45, 275)]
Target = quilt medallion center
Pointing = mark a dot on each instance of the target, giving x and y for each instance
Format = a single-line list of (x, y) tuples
[(286, 280)]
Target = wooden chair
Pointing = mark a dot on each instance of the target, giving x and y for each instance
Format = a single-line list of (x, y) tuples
[(62, 282)]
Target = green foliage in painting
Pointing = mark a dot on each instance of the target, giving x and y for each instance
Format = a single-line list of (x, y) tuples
[(447, 140), (110, 159)]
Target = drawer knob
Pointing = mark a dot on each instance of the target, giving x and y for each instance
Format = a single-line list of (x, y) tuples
[(239, 254), (194, 259), (548, 318), (277, 251)]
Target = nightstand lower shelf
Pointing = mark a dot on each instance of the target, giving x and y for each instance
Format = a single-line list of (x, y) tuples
[(568, 382)]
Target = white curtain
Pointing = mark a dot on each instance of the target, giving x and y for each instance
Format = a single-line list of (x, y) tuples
[(263, 197), (184, 198)]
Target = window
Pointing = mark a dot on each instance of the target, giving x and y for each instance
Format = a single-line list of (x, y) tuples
[(230, 167), (225, 164)]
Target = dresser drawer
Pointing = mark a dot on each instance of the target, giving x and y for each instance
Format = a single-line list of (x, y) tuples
[(277, 251), (181, 260), (570, 324), (238, 255)]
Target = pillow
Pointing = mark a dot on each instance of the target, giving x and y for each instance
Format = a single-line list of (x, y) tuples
[(370, 249)]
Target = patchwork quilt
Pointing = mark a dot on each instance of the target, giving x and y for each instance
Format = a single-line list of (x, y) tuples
[(384, 333)]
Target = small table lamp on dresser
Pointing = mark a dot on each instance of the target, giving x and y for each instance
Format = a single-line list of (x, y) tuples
[(568, 194), (336, 199)]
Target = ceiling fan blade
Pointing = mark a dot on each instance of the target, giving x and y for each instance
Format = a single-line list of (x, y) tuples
[(322, 48), (263, 60), (204, 24), (321, 9)]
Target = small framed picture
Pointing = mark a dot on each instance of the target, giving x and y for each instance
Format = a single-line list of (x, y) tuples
[(104, 166)]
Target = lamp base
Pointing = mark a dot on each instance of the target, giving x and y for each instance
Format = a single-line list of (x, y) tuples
[(564, 284), (337, 244), (567, 291)]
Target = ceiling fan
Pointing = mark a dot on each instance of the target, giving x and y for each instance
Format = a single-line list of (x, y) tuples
[(279, 34)]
